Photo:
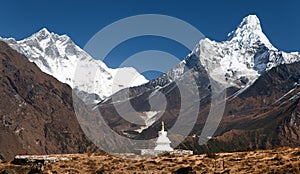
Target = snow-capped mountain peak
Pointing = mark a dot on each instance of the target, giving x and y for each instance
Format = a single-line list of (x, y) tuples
[(42, 34), (250, 32), (238, 61), (59, 56), (250, 22), (241, 59)]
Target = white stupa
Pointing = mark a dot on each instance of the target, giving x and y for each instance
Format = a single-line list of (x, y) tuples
[(163, 142)]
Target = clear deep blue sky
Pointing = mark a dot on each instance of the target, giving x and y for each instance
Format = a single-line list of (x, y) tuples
[(214, 18)]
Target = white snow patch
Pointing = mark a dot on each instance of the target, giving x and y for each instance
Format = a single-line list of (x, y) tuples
[(149, 118)]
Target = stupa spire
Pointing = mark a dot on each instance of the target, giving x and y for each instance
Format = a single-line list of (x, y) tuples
[(163, 142)]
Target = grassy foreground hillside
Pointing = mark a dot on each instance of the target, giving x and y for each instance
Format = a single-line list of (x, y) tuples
[(280, 160)]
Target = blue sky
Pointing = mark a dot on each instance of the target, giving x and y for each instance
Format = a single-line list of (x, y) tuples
[(214, 18)]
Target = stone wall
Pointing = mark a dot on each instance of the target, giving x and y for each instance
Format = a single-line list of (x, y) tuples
[(151, 152)]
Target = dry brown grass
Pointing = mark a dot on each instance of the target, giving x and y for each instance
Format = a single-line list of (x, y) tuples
[(280, 160)]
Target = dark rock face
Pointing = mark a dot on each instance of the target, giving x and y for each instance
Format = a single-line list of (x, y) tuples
[(185, 170), (37, 168), (36, 112)]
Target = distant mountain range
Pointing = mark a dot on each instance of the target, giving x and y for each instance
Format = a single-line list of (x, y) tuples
[(262, 103), (60, 57)]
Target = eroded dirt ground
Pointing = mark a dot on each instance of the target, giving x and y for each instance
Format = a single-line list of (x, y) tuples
[(280, 160)]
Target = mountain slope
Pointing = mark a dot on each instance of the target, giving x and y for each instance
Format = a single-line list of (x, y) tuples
[(59, 56), (265, 115), (239, 64), (36, 111)]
